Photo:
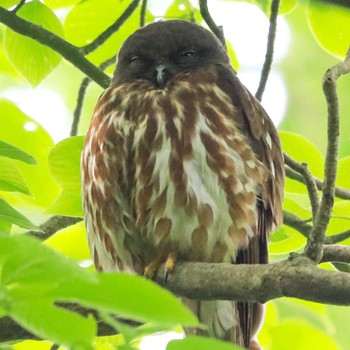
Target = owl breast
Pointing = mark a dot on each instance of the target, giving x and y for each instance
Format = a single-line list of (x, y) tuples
[(170, 170)]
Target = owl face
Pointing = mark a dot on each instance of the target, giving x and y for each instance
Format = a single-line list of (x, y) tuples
[(161, 50)]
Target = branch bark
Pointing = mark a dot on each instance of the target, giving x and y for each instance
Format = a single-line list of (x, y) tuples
[(314, 246)]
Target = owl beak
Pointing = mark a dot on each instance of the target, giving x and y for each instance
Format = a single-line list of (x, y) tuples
[(162, 75)]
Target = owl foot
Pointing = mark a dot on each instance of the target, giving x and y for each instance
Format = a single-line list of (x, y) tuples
[(170, 260), (170, 264)]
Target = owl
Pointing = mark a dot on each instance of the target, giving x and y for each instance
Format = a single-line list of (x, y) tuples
[(182, 163)]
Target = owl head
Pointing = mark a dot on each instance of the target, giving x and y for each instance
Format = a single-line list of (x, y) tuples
[(161, 50)]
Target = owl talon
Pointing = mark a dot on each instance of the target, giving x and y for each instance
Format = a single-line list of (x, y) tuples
[(170, 264)]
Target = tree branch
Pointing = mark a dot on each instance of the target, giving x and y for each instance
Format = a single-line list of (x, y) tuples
[(217, 30), (270, 49), (295, 277), (111, 29), (143, 13), (308, 180), (314, 246), (81, 96), (64, 48), (339, 192)]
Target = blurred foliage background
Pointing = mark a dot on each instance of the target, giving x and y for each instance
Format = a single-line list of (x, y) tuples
[(38, 94)]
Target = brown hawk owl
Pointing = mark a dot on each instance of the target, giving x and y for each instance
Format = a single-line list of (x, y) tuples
[(181, 162)]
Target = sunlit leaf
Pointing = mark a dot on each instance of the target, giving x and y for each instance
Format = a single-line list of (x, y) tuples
[(48, 321), (35, 141), (303, 151), (11, 178), (71, 241), (200, 343), (11, 215), (343, 178), (293, 241), (8, 3), (33, 60), (88, 19), (7, 150), (284, 7), (330, 24), (183, 9), (64, 162), (32, 345), (304, 336), (60, 3)]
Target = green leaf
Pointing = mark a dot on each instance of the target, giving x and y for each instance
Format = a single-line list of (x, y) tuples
[(11, 178), (34, 277), (9, 151), (330, 25), (55, 323), (303, 151), (200, 343), (343, 178), (11, 215), (33, 60), (64, 163), (138, 299), (183, 9), (71, 241), (286, 6), (88, 19), (25, 133), (8, 3), (60, 3)]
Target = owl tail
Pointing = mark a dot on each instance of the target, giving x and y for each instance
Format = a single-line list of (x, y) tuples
[(223, 321)]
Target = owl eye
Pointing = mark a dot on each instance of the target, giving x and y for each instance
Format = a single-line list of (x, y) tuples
[(187, 58), (135, 59)]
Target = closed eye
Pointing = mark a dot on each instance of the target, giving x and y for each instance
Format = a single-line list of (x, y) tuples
[(187, 58)]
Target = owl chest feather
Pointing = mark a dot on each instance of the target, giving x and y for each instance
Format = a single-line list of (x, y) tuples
[(182, 176)]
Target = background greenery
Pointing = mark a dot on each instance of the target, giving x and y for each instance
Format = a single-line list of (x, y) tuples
[(39, 178)]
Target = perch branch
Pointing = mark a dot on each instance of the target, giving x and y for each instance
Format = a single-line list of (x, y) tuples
[(64, 48), (217, 30), (313, 248), (269, 50), (110, 30), (295, 277)]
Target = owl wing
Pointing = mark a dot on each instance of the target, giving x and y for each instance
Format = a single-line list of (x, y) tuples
[(254, 122)]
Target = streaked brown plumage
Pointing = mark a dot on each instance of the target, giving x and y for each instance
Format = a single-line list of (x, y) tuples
[(180, 160)]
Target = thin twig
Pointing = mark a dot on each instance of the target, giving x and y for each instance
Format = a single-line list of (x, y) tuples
[(314, 246), (111, 29), (269, 50), (217, 30), (143, 13), (64, 48), (81, 96), (19, 5), (339, 192), (310, 182)]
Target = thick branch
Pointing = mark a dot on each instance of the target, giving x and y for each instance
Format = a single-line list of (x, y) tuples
[(269, 50), (296, 277), (315, 242), (111, 29), (68, 51)]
